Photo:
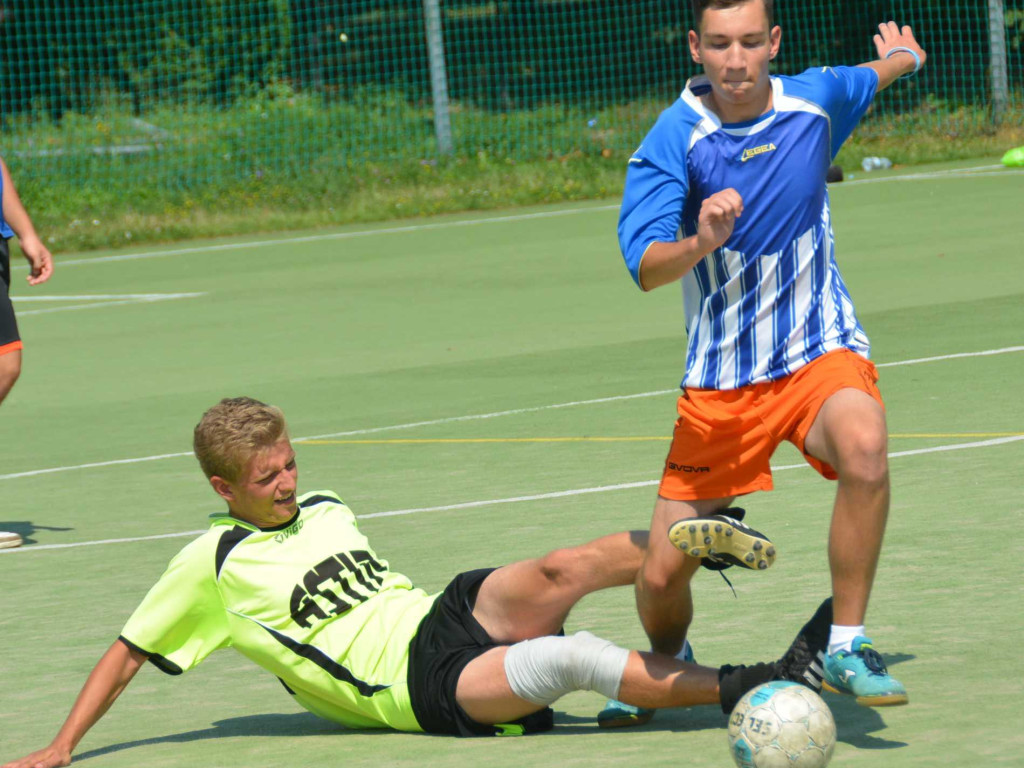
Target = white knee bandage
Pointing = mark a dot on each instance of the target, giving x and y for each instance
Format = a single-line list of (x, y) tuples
[(547, 668)]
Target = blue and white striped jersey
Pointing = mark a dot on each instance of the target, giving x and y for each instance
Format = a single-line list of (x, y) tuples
[(771, 299)]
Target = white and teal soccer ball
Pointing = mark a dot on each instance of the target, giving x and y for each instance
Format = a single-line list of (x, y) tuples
[(782, 725)]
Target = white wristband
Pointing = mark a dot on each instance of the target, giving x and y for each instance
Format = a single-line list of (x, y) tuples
[(915, 54)]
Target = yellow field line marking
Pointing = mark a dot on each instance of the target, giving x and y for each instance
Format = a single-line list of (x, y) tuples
[(459, 440), (465, 417), (433, 440)]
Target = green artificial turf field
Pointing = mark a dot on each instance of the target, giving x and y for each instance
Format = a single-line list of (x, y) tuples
[(483, 389)]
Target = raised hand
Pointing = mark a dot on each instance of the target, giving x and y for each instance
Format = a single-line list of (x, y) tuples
[(891, 36)]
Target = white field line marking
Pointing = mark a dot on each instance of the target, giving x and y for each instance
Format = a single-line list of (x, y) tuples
[(983, 353), (101, 302), (510, 499), (98, 542), (96, 464), (952, 172), (367, 431), (330, 236), (970, 169), (470, 417), (106, 296), (481, 416), (649, 483)]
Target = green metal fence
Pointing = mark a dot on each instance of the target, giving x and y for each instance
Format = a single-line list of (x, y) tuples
[(186, 93)]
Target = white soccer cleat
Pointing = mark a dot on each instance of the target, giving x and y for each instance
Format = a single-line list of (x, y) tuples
[(9, 540)]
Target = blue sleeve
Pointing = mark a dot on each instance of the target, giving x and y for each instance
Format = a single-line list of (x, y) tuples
[(654, 195), (5, 229), (844, 92)]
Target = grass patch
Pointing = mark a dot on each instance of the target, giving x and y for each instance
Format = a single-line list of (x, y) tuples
[(286, 162), (402, 328)]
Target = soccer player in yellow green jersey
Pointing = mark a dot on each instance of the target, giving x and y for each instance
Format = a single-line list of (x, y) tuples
[(290, 582)]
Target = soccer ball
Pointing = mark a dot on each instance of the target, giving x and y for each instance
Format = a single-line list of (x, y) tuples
[(781, 725)]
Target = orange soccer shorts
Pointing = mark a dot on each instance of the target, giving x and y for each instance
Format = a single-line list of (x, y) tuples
[(724, 439)]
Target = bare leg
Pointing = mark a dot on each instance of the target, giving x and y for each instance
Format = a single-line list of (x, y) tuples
[(663, 584), (650, 680), (850, 434), (532, 598), (10, 369), (654, 680)]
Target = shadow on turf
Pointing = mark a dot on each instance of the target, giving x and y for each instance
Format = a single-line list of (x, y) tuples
[(25, 529), (300, 724), (856, 724), (671, 720), (292, 724)]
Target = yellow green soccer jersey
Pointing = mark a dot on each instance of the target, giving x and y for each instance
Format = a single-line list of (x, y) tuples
[(308, 601)]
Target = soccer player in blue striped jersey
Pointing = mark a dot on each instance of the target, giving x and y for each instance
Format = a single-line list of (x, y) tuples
[(727, 194), (289, 581)]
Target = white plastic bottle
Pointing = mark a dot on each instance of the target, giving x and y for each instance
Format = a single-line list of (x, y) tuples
[(875, 163)]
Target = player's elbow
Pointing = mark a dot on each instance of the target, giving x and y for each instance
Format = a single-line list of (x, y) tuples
[(649, 279)]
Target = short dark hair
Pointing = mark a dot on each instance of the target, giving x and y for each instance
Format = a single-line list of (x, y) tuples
[(699, 6)]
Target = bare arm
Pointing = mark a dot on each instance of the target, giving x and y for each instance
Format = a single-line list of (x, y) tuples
[(39, 258), (891, 68), (665, 263), (108, 678)]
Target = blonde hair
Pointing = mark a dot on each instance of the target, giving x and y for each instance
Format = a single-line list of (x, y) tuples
[(232, 432)]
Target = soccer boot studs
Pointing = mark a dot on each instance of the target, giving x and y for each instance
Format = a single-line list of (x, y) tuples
[(722, 539)]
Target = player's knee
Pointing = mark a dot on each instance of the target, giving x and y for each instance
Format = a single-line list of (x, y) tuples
[(662, 583), (863, 457), (563, 567), (546, 668)]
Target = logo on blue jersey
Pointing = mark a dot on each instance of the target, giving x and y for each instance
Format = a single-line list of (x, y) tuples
[(749, 154)]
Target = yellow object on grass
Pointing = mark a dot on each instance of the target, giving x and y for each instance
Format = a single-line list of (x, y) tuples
[(1014, 158)]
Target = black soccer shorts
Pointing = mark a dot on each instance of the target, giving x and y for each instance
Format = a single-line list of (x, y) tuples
[(448, 639), (9, 338)]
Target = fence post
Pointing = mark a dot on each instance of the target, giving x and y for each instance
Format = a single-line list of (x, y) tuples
[(997, 61), (438, 76)]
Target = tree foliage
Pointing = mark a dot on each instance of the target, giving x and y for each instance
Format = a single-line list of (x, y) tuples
[(61, 55), (70, 55)]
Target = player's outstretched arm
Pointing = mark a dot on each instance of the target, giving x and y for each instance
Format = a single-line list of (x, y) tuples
[(39, 259), (106, 681), (665, 263), (899, 54)]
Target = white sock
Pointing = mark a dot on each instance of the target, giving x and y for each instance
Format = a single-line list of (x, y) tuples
[(841, 638)]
